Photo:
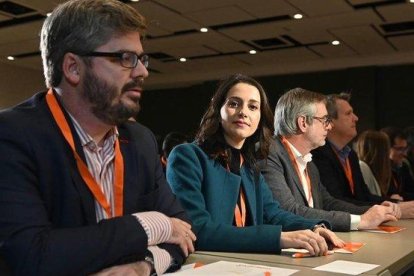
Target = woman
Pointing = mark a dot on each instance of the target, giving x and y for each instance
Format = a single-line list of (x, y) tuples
[(220, 186), (373, 149)]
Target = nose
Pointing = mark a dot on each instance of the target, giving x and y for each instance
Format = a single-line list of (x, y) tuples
[(242, 111), (139, 71), (329, 126), (356, 118)]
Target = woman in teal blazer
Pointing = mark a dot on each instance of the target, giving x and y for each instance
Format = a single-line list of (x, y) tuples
[(221, 188)]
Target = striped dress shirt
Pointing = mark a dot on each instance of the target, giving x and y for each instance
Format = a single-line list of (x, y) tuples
[(100, 162)]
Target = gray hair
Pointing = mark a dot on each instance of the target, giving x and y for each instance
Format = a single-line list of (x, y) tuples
[(80, 26), (293, 104)]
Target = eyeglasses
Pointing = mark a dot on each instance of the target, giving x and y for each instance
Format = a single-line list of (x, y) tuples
[(127, 59), (400, 149), (325, 121)]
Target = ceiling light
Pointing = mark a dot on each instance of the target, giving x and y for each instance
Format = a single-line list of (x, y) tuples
[(183, 59), (252, 52), (335, 42), (411, 1), (10, 57), (134, 0), (298, 16), (203, 30), (48, 14)]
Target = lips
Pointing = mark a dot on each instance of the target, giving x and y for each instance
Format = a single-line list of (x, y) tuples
[(241, 123)]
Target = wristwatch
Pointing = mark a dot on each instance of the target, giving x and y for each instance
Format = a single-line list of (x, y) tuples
[(150, 260)]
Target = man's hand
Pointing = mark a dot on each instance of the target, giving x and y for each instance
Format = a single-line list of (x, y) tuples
[(407, 209), (182, 235), (376, 215), (396, 210), (141, 268)]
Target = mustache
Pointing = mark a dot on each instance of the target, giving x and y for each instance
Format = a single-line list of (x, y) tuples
[(139, 82)]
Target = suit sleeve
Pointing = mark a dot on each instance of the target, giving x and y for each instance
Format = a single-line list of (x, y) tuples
[(276, 173), (186, 176), (168, 204), (34, 245)]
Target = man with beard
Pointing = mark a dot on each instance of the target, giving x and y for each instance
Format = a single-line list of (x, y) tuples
[(301, 124), (82, 189)]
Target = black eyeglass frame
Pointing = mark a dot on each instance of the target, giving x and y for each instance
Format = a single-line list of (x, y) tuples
[(143, 58), (325, 121)]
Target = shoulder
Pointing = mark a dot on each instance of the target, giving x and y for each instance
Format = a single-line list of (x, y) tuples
[(27, 119), (324, 150), (188, 150), (363, 165)]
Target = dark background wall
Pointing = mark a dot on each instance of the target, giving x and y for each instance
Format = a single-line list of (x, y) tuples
[(381, 96)]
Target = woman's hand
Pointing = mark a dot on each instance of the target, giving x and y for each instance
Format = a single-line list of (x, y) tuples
[(306, 239), (330, 237)]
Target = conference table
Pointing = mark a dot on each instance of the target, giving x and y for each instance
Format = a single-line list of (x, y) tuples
[(394, 253)]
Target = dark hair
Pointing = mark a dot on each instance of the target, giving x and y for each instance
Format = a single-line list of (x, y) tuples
[(80, 26), (171, 140), (210, 135), (331, 103), (373, 147), (393, 133)]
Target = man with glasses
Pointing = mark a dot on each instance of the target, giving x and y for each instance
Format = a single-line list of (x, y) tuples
[(82, 189), (302, 124), (402, 181), (338, 163)]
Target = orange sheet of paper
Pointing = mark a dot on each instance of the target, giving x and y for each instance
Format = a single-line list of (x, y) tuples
[(386, 229), (349, 248)]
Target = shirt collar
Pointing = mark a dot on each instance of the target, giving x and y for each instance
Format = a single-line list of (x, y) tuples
[(87, 140), (342, 153), (303, 158)]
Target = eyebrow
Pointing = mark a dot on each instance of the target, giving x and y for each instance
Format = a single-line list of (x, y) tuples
[(240, 99)]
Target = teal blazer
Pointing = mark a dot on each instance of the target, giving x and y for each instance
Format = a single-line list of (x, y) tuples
[(209, 194)]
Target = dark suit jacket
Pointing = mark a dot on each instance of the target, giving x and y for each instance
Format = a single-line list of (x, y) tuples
[(209, 193), (47, 214), (333, 177), (285, 184)]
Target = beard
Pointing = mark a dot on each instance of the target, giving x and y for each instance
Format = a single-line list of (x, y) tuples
[(106, 103)]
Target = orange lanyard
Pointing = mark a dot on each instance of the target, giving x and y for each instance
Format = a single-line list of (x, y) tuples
[(295, 165), (347, 170), (83, 168), (240, 211)]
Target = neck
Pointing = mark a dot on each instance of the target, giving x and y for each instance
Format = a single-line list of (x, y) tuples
[(339, 140), (233, 143), (299, 143), (81, 111)]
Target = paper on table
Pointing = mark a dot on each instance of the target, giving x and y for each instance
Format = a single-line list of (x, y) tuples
[(346, 267), (349, 248), (231, 269), (187, 266), (386, 229)]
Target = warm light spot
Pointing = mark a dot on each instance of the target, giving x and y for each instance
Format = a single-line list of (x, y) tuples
[(335, 42), (252, 52), (298, 16), (183, 59), (203, 30)]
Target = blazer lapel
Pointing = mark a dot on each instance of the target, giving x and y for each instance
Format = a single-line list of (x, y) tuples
[(249, 187), (130, 168), (292, 172), (231, 188)]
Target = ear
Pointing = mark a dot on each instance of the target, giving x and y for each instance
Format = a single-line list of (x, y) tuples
[(302, 124), (71, 68)]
